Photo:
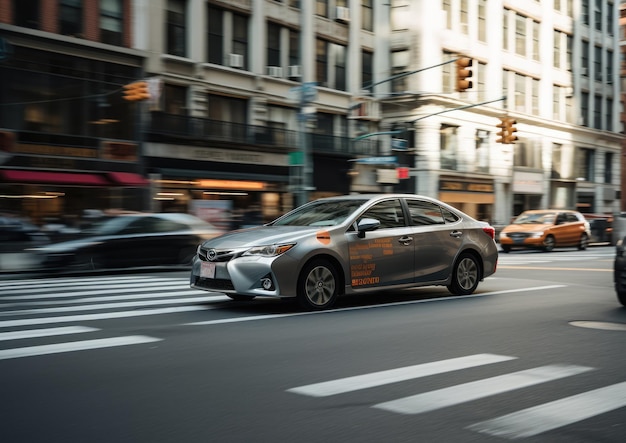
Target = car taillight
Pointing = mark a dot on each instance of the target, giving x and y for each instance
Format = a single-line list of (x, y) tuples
[(490, 231)]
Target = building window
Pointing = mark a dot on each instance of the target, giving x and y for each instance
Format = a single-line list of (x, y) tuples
[(367, 69), (609, 66), (586, 164), (585, 11), (448, 143), (482, 20), (505, 29), (597, 14), (608, 167), (175, 99), (597, 112), (294, 47), (556, 172), (480, 75), (609, 115), (463, 17), (321, 8), (228, 109), (240, 37), (26, 13), (321, 62), (584, 62), (399, 15), (527, 155), (609, 18), (399, 65), (584, 109), (176, 28), (520, 93), (111, 20), (535, 96), (339, 56), (535, 46), (215, 44), (520, 35), (71, 17), (273, 44), (447, 9), (367, 15), (597, 63)]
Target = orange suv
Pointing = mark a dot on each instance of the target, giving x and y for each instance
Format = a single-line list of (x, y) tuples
[(545, 229)]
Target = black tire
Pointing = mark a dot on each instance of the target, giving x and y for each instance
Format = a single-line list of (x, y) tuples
[(318, 285), (239, 297), (549, 243), (465, 275), (621, 296), (584, 242), (506, 248)]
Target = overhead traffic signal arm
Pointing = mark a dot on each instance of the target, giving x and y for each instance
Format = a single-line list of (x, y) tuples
[(136, 91), (463, 73)]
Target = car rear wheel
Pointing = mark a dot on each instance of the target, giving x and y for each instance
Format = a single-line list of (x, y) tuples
[(549, 243), (584, 242), (465, 276), (621, 296), (317, 285)]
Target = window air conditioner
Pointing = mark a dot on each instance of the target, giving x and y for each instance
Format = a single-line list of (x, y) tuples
[(275, 71), (235, 60), (294, 71), (342, 14)]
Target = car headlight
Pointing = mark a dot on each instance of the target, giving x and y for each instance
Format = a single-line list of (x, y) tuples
[(269, 250), (503, 235), (536, 235)]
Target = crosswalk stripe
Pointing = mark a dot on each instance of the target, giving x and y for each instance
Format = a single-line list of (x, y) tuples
[(48, 332), (101, 316), (118, 297), (75, 346), (74, 281), (441, 398), (556, 414), (95, 292), (72, 290), (350, 384)]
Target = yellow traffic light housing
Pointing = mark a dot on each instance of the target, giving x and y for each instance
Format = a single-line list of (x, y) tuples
[(507, 131), (463, 73), (136, 91), (510, 131)]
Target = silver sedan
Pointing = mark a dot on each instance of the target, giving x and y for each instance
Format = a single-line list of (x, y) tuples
[(348, 245)]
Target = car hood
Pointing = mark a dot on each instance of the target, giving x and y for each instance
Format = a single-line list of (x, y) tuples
[(262, 235), (530, 227)]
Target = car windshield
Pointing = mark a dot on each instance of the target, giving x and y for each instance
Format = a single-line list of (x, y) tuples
[(540, 218), (320, 213), (109, 226)]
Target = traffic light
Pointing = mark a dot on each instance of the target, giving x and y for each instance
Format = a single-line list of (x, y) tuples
[(463, 73), (136, 91), (507, 131), (510, 131)]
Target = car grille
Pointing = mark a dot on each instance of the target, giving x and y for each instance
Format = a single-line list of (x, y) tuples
[(519, 235), (214, 284), (220, 255)]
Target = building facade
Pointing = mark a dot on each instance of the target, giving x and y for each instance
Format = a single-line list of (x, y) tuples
[(268, 103)]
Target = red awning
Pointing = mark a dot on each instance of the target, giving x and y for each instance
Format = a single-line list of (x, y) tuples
[(127, 179), (65, 178)]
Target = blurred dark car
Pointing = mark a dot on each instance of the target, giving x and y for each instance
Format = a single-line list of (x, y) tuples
[(131, 241), (17, 234), (619, 271)]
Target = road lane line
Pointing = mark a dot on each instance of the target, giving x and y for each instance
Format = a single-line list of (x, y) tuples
[(556, 414), (74, 290), (454, 395), (101, 316), (96, 292), (380, 378), (546, 268), (95, 307), (49, 332), (58, 348)]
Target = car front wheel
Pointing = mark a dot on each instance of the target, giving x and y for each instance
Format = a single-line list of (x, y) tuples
[(465, 276), (549, 243), (318, 285)]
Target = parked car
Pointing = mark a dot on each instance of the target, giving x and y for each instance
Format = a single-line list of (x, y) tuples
[(349, 245), (16, 234), (131, 240), (601, 227), (546, 229)]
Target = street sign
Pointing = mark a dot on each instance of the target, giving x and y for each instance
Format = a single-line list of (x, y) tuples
[(376, 160), (399, 144)]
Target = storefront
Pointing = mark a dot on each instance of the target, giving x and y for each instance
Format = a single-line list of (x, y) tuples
[(475, 197)]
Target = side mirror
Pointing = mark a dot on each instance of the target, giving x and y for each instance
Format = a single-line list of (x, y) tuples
[(367, 224)]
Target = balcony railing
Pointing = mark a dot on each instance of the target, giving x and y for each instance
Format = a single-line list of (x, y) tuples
[(202, 129)]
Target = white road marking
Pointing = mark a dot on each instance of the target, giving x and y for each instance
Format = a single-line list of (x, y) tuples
[(49, 332), (380, 378), (101, 316), (75, 346), (36, 282), (47, 293), (454, 395), (94, 307), (556, 414)]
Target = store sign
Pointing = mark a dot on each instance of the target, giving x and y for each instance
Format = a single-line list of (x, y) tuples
[(465, 186), (214, 154)]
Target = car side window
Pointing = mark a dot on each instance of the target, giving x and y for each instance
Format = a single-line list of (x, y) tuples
[(425, 213), (388, 212), (560, 219), (571, 218)]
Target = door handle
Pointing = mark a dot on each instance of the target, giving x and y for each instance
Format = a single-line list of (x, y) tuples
[(406, 240), (456, 234)]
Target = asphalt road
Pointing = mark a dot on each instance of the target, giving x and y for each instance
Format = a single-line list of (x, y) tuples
[(537, 355)]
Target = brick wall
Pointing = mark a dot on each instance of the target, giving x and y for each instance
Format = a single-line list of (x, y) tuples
[(91, 14), (6, 13), (49, 16)]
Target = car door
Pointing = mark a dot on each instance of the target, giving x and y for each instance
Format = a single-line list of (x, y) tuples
[(438, 238), (384, 256), (562, 229)]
